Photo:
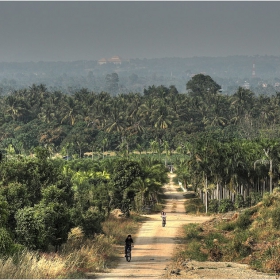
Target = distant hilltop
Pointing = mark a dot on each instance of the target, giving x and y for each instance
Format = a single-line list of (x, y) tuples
[(258, 73), (114, 59)]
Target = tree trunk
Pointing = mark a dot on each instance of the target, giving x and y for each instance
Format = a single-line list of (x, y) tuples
[(206, 195)]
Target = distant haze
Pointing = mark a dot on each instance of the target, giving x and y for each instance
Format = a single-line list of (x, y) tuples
[(69, 31)]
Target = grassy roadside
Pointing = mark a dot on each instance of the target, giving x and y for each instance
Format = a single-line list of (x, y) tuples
[(77, 257), (248, 236)]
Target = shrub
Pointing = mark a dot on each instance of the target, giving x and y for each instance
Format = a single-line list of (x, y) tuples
[(193, 251), (244, 220), (194, 205), (213, 206), (226, 205), (239, 201), (272, 261), (267, 199), (276, 191), (248, 201), (192, 231), (275, 215), (256, 197), (91, 222), (228, 226), (7, 246), (238, 246), (209, 239)]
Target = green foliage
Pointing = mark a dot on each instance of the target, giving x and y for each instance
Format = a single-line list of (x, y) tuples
[(244, 219), (30, 229), (119, 228), (6, 243), (125, 172), (193, 243), (55, 223), (192, 231), (193, 251), (226, 205), (237, 244), (41, 153), (227, 226), (213, 206), (194, 205), (208, 142), (252, 199), (251, 237), (256, 197), (202, 84), (209, 239), (34, 175), (239, 201), (267, 199), (275, 216), (91, 222), (213, 142), (4, 211), (43, 225)]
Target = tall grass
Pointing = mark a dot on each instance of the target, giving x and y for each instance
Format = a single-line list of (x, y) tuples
[(119, 228), (77, 257), (32, 265)]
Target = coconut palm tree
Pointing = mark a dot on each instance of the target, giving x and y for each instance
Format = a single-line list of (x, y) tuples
[(70, 111)]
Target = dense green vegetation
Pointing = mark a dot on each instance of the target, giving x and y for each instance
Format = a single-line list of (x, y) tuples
[(225, 144), (42, 199), (78, 256), (67, 161)]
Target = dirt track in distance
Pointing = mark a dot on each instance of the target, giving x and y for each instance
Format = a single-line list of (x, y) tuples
[(155, 246)]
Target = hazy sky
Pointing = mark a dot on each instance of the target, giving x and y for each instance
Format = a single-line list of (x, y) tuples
[(90, 30)]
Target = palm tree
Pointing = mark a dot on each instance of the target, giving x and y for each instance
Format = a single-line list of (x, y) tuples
[(161, 117), (104, 144), (242, 102), (166, 149), (117, 119), (47, 113), (218, 111), (70, 111), (142, 187), (154, 146), (15, 107), (146, 110), (154, 175)]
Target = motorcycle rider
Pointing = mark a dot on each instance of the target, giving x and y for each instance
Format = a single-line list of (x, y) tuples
[(128, 243), (163, 216)]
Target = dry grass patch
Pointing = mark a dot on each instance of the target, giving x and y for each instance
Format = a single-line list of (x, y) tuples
[(77, 257), (119, 227), (32, 265)]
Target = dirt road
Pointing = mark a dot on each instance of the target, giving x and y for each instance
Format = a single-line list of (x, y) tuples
[(154, 244)]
